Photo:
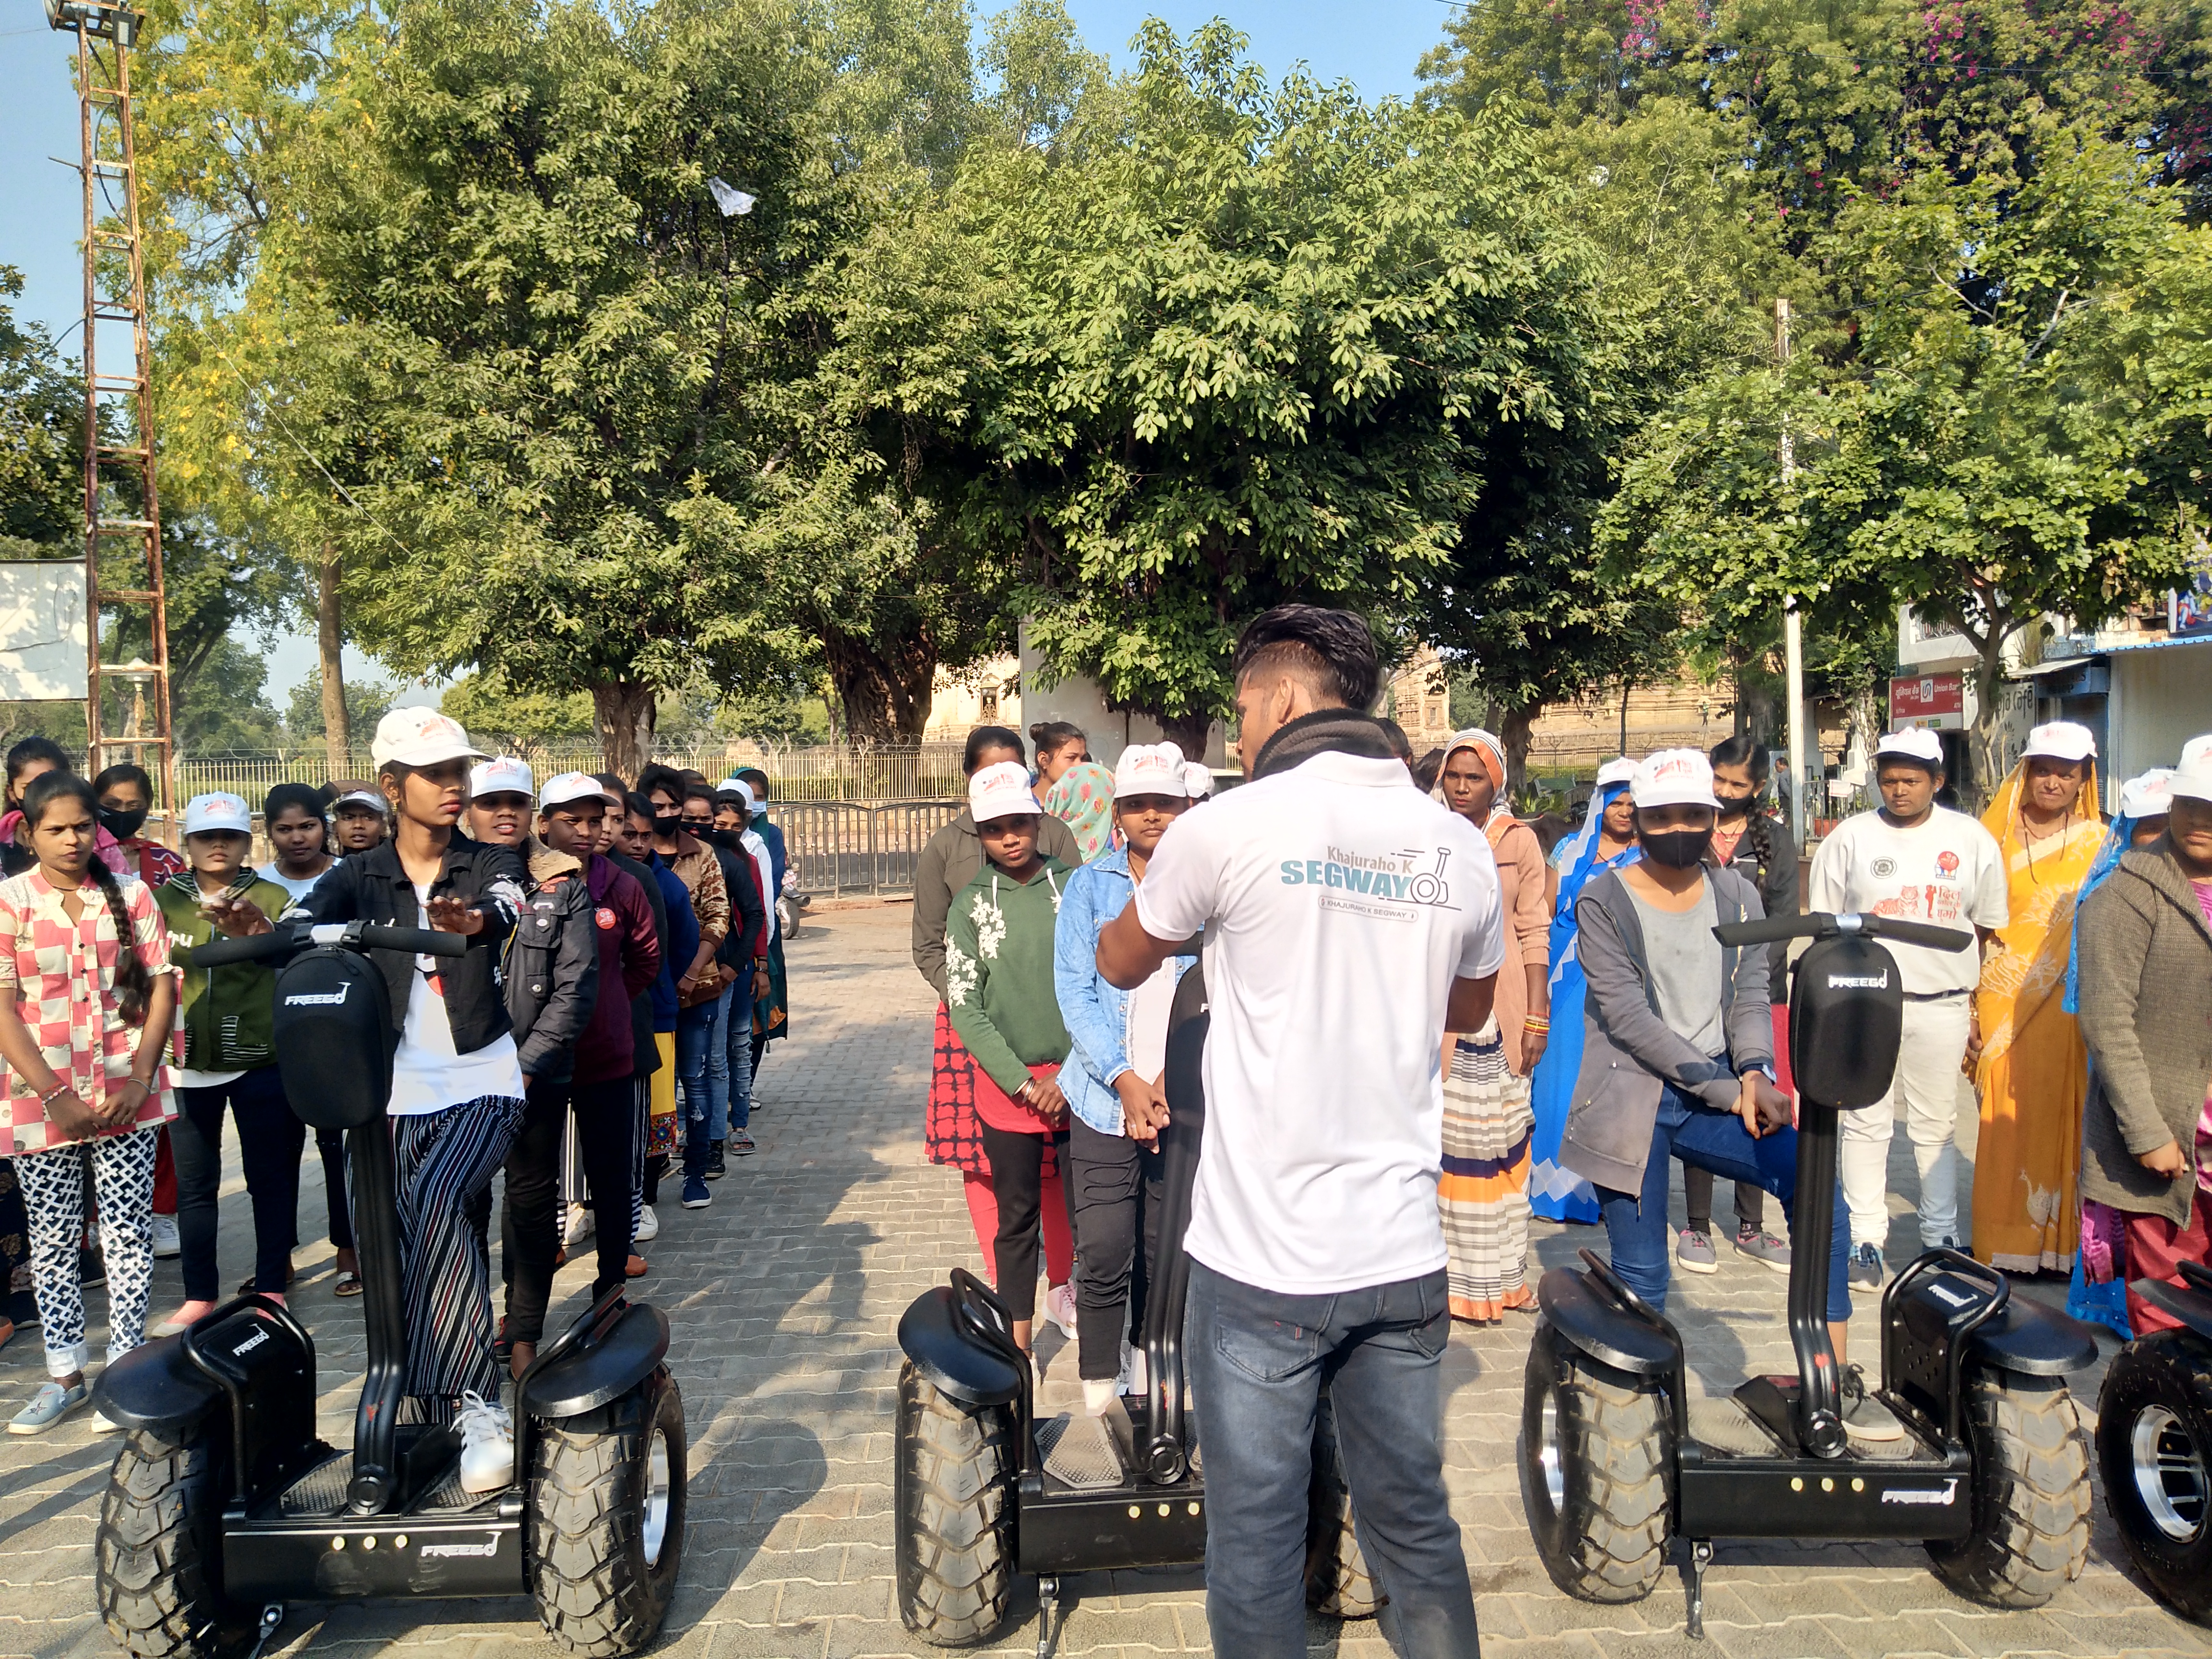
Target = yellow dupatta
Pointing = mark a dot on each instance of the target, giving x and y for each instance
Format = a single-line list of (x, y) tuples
[(2033, 1072)]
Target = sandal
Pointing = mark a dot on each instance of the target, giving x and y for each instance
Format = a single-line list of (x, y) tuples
[(348, 1284), (246, 1284)]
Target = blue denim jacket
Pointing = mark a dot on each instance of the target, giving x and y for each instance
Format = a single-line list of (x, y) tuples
[(1095, 1012)]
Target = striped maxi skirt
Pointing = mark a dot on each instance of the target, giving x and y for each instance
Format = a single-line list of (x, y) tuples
[(1483, 1191)]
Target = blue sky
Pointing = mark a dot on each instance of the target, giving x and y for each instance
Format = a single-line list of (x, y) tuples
[(1373, 45)]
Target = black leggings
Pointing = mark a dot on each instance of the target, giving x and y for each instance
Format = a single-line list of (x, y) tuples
[(530, 1232), (1698, 1201), (1115, 1181), (1017, 1181)]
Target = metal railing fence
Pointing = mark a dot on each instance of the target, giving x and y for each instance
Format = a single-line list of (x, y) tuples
[(825, 772), (852, 848)]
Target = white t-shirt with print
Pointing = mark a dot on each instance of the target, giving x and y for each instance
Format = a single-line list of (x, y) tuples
[(428, 1074), (1339, 904), (1945, 871)]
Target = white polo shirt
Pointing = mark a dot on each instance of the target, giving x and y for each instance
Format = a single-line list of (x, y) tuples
[(1342, 904), (1945, 871)]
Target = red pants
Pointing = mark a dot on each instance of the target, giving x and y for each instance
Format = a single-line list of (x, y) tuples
[(2156, 1248), (165, 1177)]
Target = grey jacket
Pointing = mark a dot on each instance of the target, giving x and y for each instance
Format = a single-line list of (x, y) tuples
[(1629, 1053), (2146, 985), (948, 864)]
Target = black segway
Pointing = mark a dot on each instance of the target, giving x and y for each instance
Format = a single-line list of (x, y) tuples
[(223, 1500), (2155, 1445), (1992, 1471), (984, 1491)]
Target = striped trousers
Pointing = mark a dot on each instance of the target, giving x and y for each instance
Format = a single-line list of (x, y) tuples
[(444, 1162)]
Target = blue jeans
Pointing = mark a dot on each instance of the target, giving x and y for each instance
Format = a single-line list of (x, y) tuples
[(737, 1020), (1258, 1361), (702, 1068), (1705, 1138)]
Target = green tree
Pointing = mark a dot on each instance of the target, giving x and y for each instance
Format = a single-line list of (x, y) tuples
[(2005, 420), (493, 713), (366, 703), (225, 708), (41, 440), (1259, 341)]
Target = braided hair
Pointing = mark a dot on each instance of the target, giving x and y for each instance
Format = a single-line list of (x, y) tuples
[(134, 986), (1757, 829)]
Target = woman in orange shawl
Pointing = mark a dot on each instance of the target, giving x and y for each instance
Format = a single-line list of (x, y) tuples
[(2030, 1066), (1482, 1191)]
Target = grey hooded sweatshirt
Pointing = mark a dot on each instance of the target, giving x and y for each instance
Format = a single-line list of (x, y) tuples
[(1629, 1053)]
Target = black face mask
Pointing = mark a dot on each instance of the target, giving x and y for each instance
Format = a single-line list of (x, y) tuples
[(667, 823), (122, 824), (1678, 850)]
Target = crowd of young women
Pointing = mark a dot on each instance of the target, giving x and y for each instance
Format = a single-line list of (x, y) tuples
[(580, 1006)]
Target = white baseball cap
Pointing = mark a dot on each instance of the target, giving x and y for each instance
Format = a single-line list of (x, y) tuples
[(1151, 769), (216, 811), (2192, 782), (739, 787), (1673, 777), (1913, 743), (1615, 771), (570, 785), (2149, 795), (2197, 751), (503, 774), (1001, 790), (1197, 780), (2061, 740), (363, 798), (420, 737)]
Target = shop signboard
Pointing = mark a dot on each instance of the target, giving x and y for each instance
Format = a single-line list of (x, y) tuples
[(1935, 703)]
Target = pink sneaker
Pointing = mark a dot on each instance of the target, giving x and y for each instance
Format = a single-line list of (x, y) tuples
[(1059, 1308)]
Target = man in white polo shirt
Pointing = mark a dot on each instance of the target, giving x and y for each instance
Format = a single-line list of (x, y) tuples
[(1349, 921), (1919, 862)]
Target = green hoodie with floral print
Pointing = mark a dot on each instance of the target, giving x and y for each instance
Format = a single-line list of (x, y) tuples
[(999, 971)]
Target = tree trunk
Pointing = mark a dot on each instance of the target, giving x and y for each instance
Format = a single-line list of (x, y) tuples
[(338, 734), (623, 712), (1188, 733), (1513, 729), (1985, 773), (883, 686)]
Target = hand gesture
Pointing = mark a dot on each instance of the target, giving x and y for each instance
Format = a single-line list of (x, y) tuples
[(237, 917), (123, 1102), (2165, 1160), (1763, 1107), (1144, 1109), (1533, 1045), (450, 915), (1043, 1094), (69, 1114)]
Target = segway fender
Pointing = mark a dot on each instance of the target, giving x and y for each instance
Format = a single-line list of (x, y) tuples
[(1602, 1328), (2033, 1340), (954, 1359), (2192, 1308), (596, 1372), (156, 1387)]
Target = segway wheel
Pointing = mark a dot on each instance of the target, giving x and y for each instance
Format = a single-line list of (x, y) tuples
[(953, 1497), (1338, 1583), (158, 1556), (2154, 1446), (605, 1522), (2031, 1492), (1596, 1444)]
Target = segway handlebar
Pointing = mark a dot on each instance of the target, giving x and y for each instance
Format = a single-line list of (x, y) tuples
[(285, 938), (1770, 930)]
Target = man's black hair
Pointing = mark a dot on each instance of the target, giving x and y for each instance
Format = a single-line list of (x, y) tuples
[(983, 740), (1332, 651), (123, 772), (636, 806), (656, 776)]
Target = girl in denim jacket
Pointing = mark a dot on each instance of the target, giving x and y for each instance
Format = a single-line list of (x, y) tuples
[(1118, 1049)]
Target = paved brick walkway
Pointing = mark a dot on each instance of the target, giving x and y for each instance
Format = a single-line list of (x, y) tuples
[(785, 1296)]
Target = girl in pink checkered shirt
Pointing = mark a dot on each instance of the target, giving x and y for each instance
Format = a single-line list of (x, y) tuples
[(86, 999)]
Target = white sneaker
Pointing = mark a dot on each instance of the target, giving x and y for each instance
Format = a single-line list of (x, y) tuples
[(166, 1242), (1059, 1308), (648, 1226), (1097, 1394), (487, 1444), (580, 1226)]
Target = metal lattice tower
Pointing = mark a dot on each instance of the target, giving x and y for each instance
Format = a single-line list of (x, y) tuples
[(122, 508)]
